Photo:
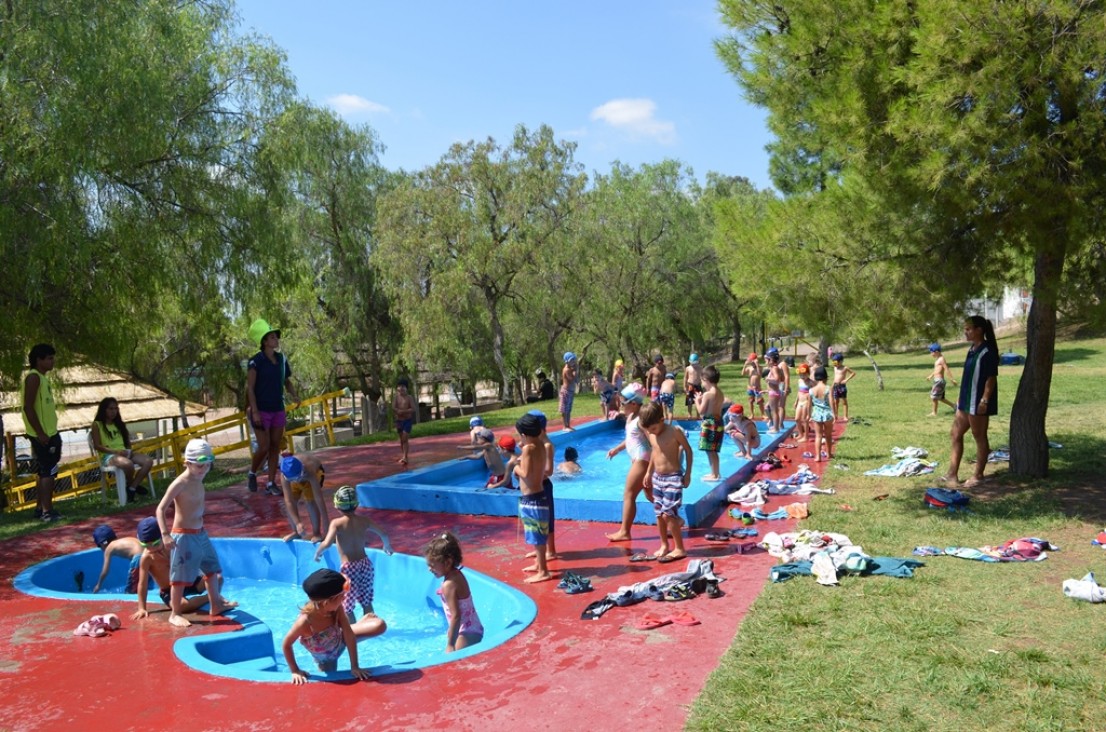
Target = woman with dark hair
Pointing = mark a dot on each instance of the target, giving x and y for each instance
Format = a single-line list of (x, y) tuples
[(268, 376), (112, 441), (978, 400)]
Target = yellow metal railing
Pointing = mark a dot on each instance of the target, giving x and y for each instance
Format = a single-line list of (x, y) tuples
[(83, 477)]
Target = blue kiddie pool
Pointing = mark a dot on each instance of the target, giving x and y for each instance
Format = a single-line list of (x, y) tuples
[(264, 577), (457, 486)]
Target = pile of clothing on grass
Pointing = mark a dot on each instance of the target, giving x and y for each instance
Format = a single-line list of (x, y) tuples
[(1026, 549), (828, 556), (800, 483)]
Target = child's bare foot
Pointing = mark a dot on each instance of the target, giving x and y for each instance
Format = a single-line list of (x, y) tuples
[(950, 480), (674, 556), (973, 481), (661, 552), (711, 478), (531, 568), (290, 537), (531, 555), (179, 620), (551, 556), (618, 536), (218, 608), (315, 539), (538, 578)]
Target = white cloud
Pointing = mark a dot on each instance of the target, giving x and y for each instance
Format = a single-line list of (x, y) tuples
[(352, 104), (636, 116)]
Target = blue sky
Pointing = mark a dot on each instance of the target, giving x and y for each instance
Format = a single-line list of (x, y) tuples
[(630, 80)]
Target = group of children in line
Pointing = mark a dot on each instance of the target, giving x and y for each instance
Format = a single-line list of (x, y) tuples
[(184, 564)]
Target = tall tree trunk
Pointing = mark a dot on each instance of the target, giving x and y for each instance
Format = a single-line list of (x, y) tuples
[(497, 353), (1028, 441), (735, 344)]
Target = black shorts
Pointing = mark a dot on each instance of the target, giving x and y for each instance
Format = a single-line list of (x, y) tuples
[(47, 456)]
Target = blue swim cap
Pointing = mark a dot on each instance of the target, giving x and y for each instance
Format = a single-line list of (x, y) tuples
[(291, 467), (148, 530), (772, 350), (693, 358), (934, 347), (103, 535), (476, 422), (570, 356), (540, 415)]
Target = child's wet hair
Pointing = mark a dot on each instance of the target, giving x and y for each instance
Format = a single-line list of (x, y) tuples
[(652, 413), (444, 547), (710, 373), (571, 454)]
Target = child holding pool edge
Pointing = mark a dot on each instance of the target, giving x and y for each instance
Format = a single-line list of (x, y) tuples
[(443, 559), (667, 477), (323, 627), (348, 531), (636, 445), (154, 562)]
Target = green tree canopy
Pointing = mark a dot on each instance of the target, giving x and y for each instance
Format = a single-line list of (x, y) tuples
[(979, 123)]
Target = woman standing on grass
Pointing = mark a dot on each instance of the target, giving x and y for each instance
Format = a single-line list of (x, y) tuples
[(978, 400)]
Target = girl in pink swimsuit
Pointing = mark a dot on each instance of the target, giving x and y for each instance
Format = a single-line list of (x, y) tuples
[(323, 627), (443, 559)]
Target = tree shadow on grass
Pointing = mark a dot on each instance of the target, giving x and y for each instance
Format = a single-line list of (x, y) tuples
[(1076, 484)]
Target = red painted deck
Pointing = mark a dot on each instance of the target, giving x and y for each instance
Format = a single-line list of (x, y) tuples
[(560, 673)]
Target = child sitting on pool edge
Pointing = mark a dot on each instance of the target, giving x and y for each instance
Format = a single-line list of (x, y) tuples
[(507, 447), (443, 559), (349, 532), (323, 627)]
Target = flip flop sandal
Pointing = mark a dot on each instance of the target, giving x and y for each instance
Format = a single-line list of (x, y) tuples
[(643, 557), (649, 621), (574, 584), (683, 617), (668, 559), (719, 536)]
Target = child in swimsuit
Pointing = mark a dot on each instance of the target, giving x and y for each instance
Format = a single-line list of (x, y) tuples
[(443, 559), (323, 627)]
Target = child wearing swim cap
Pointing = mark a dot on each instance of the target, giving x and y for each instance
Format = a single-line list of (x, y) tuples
[(192, 551), (323, 627), (348, 531), (636, 445)]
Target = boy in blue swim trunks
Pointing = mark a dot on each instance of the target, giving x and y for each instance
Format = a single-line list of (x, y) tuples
[(403, 409), (667, 476), (533, 502)]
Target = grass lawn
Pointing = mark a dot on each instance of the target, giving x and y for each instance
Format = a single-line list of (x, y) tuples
[(964, 645)]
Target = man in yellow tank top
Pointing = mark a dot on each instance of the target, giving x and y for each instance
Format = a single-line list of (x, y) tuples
[(40, 419)]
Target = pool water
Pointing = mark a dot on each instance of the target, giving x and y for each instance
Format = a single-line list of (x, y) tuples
[(457, 486), (264, 577)]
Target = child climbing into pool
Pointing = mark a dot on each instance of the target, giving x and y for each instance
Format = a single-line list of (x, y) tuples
[(483, 446), (348, 531), (443, 559), (128, 549), (154, 562), (191, 549), (533, 502), (323, 627), (709, 404), (302, 478), (667, 476)]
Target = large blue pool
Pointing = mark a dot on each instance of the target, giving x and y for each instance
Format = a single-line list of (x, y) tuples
[(456, 486), (264, 577)]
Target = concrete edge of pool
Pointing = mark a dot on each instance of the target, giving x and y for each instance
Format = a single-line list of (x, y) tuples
[(423, 490), (247, 653)]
